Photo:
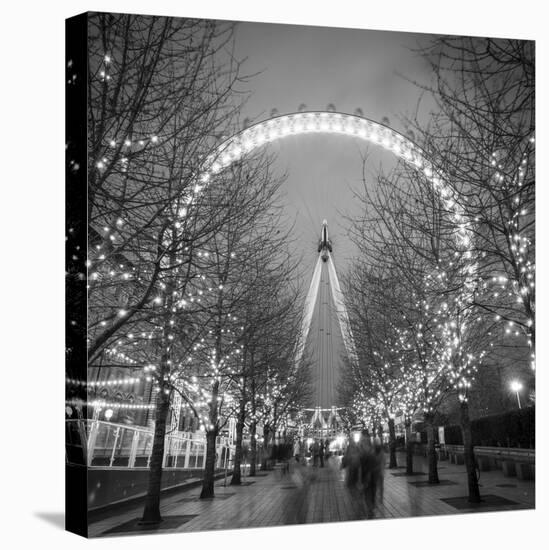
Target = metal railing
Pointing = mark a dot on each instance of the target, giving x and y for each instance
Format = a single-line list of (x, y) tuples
[(501, 453), (106, 444)]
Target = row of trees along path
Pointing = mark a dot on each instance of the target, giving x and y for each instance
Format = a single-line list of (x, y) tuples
[(427, 314), (184, 279)]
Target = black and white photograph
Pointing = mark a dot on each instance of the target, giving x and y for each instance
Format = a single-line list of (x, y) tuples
[(271, 274), (309, 285)]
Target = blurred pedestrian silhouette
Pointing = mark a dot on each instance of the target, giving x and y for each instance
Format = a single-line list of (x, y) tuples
[(316, 453), (296, 508), (297, 449), (321, 452), (326, 449), (351, 462), (372, 465)]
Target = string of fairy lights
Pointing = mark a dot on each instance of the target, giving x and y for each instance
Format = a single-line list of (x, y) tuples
[(108, 382), (439, 350), (102, 404), (104, 270)]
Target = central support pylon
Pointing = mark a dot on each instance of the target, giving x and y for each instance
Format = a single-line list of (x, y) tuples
[(325, 256), (325, 416)]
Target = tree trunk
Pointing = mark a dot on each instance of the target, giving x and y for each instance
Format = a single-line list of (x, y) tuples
[(392, 444), (469, 455), (253, 426), (211, 435), (409, 449), (266, 448), (253, 448), (431, 450), (209, 470), (151, 511), (236, 478)]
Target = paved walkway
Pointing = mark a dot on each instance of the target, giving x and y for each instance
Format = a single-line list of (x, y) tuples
[(315, 495)]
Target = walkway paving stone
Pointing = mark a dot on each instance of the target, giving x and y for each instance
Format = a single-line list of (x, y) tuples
[(319, 495)]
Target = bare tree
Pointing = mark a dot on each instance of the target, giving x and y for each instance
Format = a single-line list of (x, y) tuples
[(241, 252), (377, 375), (482, 137), (265, 336), (159, 91), (483, 140), (409, 233)]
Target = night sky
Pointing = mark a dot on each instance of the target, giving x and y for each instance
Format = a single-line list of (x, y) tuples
[(317, 66), (350, 69)]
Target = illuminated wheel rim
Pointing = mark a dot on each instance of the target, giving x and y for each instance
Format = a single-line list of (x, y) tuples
[(327, 122)]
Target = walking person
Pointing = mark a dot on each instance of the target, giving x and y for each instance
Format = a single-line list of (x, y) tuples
[(327, 449), (316, 453), (296, 506), (379, 471), (297, 449), (367, 471), (372, 463), (351, 462), (321, 453)]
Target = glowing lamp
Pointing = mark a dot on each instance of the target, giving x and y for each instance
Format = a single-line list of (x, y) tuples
[(516, 386)]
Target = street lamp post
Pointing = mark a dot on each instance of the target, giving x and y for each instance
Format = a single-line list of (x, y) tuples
[(516, 386)]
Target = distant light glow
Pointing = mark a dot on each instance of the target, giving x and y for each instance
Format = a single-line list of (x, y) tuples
[(516, 386)]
